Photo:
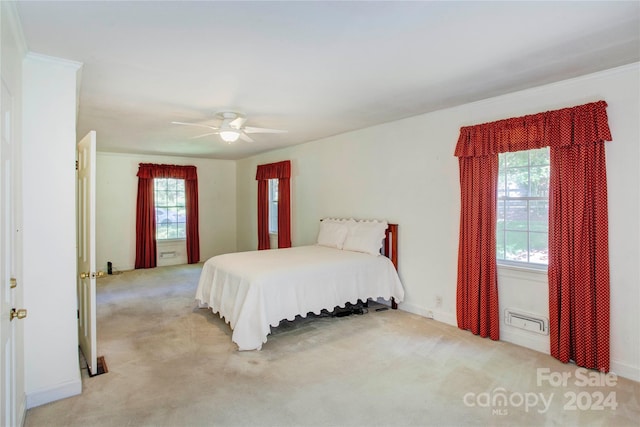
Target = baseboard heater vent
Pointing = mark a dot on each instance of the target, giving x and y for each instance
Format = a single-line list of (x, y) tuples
[(527, 321), (171, 254)]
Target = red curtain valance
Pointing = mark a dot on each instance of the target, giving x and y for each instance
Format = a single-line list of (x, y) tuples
[(151, 170), (584, 124), (274, 170)]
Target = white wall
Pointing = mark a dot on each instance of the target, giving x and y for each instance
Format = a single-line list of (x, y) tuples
[(405, 172), (116, 191), (49, 223)]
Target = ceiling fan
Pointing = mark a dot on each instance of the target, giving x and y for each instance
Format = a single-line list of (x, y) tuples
[(231, 128)]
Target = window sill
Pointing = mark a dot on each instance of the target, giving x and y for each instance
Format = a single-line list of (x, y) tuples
[(509, 271), (522, 268)]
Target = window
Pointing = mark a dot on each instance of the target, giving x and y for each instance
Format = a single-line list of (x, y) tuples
[(523, 208), (273, 206), (171, 211)]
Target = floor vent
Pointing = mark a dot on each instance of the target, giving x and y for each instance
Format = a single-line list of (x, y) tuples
[(527, 321), (102, 367)]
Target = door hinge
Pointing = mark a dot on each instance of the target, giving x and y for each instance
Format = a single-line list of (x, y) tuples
[(76, 165), (78, 314)]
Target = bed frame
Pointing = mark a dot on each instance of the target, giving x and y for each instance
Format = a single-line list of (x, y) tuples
[(390, 250)]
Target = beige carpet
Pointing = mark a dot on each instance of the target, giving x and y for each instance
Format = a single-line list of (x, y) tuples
[(171, 364)]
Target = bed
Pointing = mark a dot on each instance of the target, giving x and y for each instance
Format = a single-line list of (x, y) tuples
[(253, 291)]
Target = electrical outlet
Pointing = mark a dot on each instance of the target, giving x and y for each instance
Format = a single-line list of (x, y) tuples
[(438, 301)]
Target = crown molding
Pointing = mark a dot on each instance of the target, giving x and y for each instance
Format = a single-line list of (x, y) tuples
[(54, 60)]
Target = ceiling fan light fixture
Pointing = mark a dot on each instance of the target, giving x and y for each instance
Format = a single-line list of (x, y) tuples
[(231, 128), (229, 135)]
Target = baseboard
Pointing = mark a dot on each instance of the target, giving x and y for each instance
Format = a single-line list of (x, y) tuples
[(625, 370), (414, 309), (448, 318), (440, 316), (61, 391), (526, 339)]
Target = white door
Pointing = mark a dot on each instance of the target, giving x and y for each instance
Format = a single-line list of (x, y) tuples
[(8, 281), (87, 250)]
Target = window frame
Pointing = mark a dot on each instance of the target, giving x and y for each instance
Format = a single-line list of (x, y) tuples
[(173, 206), (502, 164)]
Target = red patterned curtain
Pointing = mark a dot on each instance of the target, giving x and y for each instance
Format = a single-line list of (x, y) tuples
[(579, 256), (284, 213), (578, 225), (193, 220), (477, 294), (282, 172), (145, 212), (263, 215), (145, 224)]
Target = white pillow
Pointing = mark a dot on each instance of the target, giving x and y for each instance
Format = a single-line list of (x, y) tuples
[(365, 236), (332, 234)]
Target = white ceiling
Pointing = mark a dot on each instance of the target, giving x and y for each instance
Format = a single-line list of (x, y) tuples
[(314, 68)]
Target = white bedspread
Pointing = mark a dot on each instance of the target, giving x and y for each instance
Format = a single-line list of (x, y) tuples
[(255, 290)]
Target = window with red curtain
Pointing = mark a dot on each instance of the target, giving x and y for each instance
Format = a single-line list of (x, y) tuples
[(282, 172), (146, 217), (578, 269)]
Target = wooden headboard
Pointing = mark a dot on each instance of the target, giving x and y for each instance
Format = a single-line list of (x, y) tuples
[(390, 246)]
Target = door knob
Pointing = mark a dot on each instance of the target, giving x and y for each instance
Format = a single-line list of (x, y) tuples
[(13, 282), (87, 275), (20, 313)]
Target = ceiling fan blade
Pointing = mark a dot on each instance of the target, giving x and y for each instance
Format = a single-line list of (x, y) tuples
[(250, 129), (245, 137), (204, 134), (237, 123), (195, 124)]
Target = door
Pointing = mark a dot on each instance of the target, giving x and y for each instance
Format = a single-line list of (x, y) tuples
[(8, 282), (86, 219)]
